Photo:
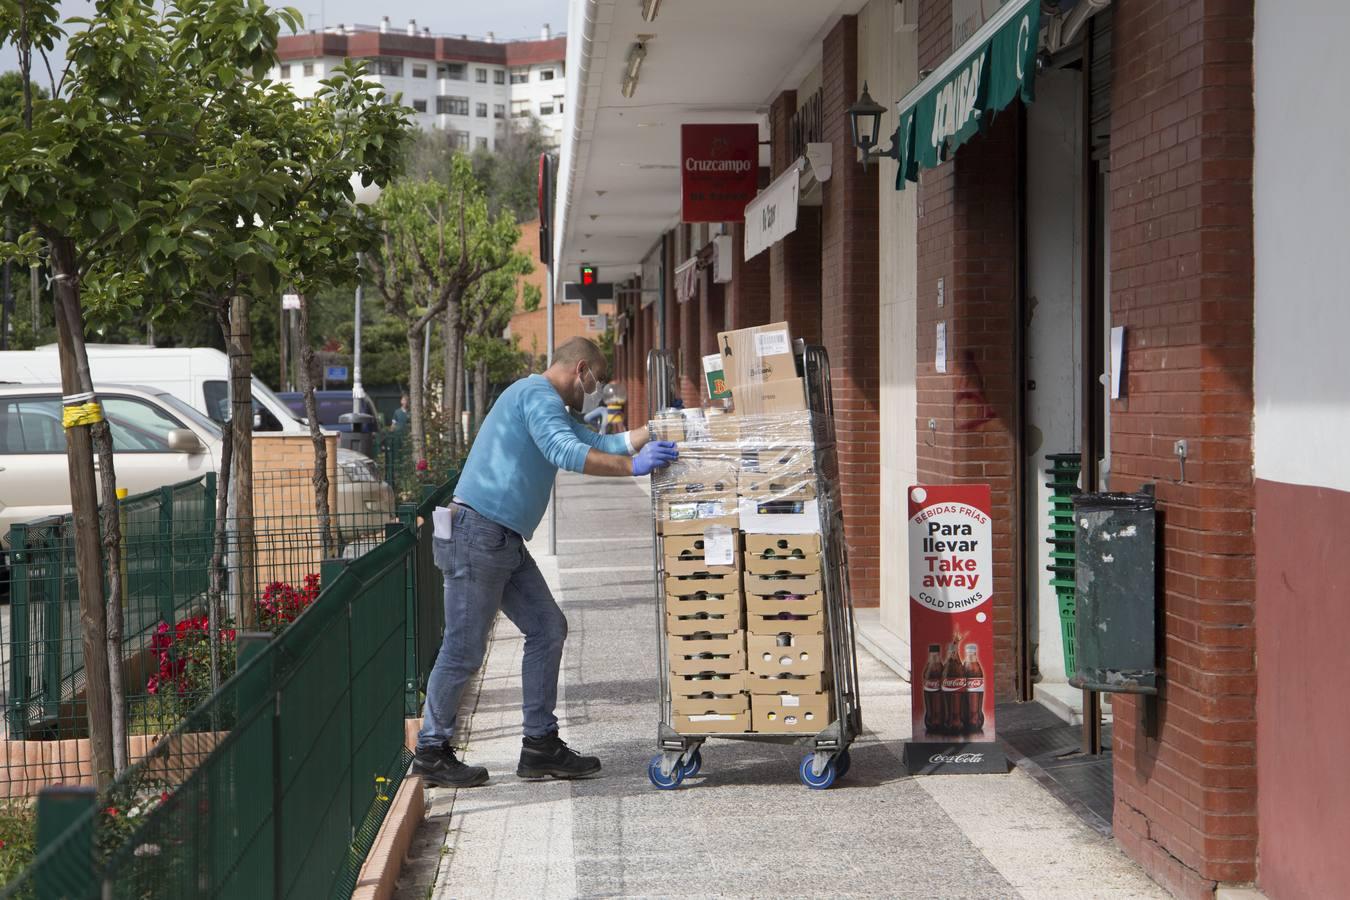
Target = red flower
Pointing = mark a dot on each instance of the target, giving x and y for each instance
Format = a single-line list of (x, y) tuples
[(421, 465), (112, 811)]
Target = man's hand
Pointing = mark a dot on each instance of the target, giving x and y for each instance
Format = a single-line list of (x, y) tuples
[(655, 455)]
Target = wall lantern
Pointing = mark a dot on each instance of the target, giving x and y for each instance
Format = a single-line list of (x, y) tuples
[(865, 118)]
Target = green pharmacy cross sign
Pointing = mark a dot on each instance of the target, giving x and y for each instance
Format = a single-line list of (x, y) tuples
[(958, 100)]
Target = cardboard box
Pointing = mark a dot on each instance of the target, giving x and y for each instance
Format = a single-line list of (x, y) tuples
[(722, 581), (712, 723), (668, 426), (769, 398), (723, 427), (731, 704), (695, 474), (704, 602), (810, 683), (765, 546), (775, 654), (791, 713), (703, 622), (693, 568), (690, 546), (797, 605), (696, 654), (768, 585), (779, 516), (667, 528), (758, 354), (777, 461), (711, 683), (695, 516), (787, 486), (774, 623), (760, 566)]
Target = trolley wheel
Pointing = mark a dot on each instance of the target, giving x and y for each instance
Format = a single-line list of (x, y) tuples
[(841, 763), (661, 780), (817, 781), (692, 764)]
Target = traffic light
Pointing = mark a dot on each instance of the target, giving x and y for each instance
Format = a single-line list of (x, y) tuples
[(588, 276)]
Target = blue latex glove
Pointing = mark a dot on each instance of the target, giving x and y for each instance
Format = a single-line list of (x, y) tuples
[(654, 455)]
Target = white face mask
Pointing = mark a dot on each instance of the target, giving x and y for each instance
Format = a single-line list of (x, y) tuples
[(592, 397)]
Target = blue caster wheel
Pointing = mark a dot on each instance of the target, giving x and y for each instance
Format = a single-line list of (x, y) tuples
[(692, 764), (842, 763), (662, 781), (817, 781)]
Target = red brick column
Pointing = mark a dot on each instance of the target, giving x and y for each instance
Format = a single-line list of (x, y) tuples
[(712, 315), (686, 355), (747, 294), (794, 262), (1181, 276), (851, 320)]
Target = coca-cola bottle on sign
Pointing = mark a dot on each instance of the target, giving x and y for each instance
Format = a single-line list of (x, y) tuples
[(932, 690), (972, 706), (953, 691)]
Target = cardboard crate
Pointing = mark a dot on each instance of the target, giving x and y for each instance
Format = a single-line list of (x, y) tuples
[(696, 526), (777, 460), (721, 581), (712, 723), (699, 653), (783, 486), (705, 622), (795, 604), (730, 704), (796, 654), (769, 585), (690, 546), (696, 474), (716, 684), (790, 566), (757, 354), (766, 546), (776, 398), (810, 683), (704, 602), (696, 516), (791, 713), (779, 516), (667, 427), (694, 568), (799, 623)]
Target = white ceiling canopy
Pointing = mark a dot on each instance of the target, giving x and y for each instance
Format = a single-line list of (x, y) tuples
[(706, 61)]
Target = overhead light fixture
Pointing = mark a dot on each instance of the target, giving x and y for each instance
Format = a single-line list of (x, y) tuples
[(636, 54), (650, 8)]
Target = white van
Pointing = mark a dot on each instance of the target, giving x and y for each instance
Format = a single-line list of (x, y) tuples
[(199, 376)]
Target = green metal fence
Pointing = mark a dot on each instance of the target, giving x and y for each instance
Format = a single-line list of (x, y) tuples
[(276, 785)]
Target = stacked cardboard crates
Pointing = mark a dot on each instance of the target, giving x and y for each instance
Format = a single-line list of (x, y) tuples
[(738, 514)]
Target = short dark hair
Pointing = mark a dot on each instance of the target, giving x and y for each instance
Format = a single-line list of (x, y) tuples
[(580, 349)]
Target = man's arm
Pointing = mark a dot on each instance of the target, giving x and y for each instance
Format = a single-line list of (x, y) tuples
[(629, 443), (600, 463)]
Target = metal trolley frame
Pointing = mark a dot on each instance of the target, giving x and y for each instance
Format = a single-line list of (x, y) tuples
[(828, 751)]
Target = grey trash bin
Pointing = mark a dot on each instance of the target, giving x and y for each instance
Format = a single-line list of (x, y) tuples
[(1116, 589), (361, 437)]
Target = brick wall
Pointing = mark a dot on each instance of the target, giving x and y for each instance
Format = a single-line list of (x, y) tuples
[(532, 327), (1181, 276), (747, 294), (849, 314), (794, 262)]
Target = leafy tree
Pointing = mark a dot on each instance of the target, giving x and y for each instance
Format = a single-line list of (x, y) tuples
[(510, 172)]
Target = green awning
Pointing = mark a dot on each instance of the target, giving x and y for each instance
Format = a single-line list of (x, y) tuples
[(960, 98)]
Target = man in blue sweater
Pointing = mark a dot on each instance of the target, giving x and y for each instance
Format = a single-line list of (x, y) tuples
[(502, 494)]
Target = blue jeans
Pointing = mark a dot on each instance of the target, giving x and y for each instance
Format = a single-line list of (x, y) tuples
[(486, 569)]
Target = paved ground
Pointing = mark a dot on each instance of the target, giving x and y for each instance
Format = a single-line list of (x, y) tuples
[(745, 826)]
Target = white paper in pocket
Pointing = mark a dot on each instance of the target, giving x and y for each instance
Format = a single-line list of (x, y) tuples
[(441, 518)]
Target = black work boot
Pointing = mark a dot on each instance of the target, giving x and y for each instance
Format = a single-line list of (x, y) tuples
[(439, 767), (549, 755)]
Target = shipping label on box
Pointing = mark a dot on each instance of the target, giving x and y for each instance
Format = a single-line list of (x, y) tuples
[(712, 723), (808, 683), (771, 398), (692, 546), (777, 546), (726, 604), (703, 622), (779, 516), (791, 713), (777, 604), (761, 353), (710, 683), (774, 654), (733, 704), (768, 585), (785, 623), (760, 566)]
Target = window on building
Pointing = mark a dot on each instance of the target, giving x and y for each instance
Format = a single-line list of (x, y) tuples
[(546, 107), (499, 76), (480, 143), (420, 105), (387, 65), (459, 140), (307, 69), (545, 74), (520, 75), (452, 71), (520, 108), (499, 110), (480, 76), (285, 70), (558, 103), (452, 106), (419, 70), (481, 110)]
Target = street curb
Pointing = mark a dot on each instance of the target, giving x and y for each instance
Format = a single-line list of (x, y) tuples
[(379, 874)]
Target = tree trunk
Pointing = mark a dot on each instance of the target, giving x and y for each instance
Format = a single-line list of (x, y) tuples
[(219, 572), (462, 373), (101, 435), (480, 389), (315, 431), (415, 401), (75, 381), (241, 431), (453, 401)]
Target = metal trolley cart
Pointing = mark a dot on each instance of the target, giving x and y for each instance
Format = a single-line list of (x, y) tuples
[(827, 757)]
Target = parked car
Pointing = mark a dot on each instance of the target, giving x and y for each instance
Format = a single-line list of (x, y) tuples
[(332, 406)]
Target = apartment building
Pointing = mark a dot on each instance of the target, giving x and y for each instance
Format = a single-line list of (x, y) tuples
[(471, 88)]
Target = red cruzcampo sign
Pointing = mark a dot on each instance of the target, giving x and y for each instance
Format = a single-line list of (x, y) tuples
[(719, 169), (951, 630)]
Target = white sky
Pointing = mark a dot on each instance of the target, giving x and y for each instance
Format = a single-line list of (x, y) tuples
[(506, 18)]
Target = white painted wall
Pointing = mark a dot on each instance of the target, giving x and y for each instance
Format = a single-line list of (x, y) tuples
[(888, 62), (1302, 209)]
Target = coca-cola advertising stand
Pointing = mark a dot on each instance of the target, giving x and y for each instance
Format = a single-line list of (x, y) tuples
[(951, 631)]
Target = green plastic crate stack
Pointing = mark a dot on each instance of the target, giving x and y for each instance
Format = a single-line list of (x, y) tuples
[(1063, 474)]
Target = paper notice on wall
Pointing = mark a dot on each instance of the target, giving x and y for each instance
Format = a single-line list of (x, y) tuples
[(1117, 359), (772, 343), (717, 546), (941, 357)]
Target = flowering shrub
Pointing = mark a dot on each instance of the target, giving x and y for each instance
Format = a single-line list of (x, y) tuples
[(282, 604), (184, 656)]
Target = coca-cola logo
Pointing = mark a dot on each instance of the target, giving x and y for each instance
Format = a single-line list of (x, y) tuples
[(974, 684), (953, 684), (932, 684), (944, 758)]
